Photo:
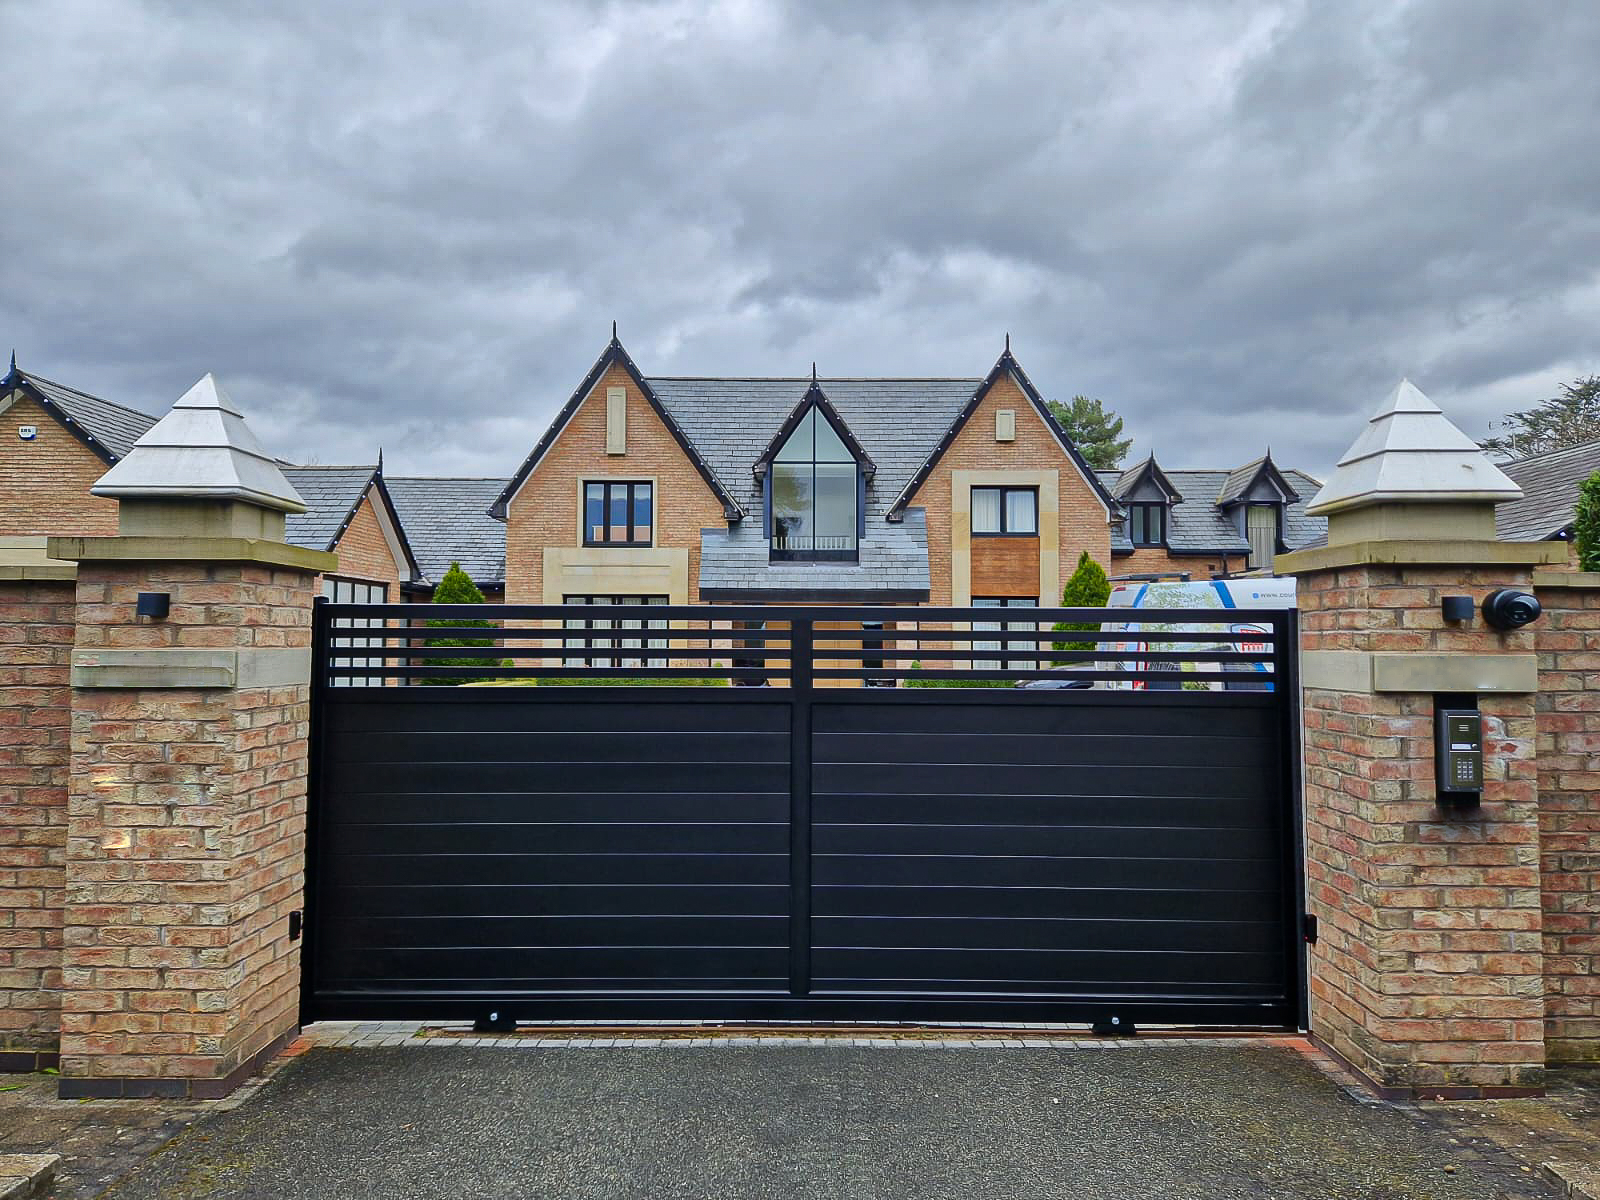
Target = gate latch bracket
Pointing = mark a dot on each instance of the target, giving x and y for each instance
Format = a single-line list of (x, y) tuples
[(1308, 925)]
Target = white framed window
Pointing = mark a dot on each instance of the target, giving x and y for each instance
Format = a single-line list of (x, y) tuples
[(997, 645), (608, 642)]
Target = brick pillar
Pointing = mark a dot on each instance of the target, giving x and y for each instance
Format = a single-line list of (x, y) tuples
[(1428, 973), (186, 817), (36, 619), (1568, 642)]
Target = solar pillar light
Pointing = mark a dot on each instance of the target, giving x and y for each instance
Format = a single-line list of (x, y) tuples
[(155, 605)]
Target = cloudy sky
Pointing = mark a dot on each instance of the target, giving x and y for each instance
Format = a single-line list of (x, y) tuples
[(412, 224)]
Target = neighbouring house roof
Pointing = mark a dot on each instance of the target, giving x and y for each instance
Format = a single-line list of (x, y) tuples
[(332, 495), (202, 448), (106, 427), (447, 520), (1237, 486), (893, 565), (1549, 484), (1199, 524)]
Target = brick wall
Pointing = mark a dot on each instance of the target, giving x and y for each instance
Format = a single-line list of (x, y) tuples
[(1568, 641), (1428, 975), (1150, 559), (1082, 516), (36, 621), (186, 841), (545, 512), (364, 552), (44, 484)]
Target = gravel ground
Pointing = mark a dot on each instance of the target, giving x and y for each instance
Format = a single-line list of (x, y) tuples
[(772, 1123)]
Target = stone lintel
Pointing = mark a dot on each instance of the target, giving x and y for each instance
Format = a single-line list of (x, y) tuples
[(193, 549), (66, 572), (1420, 552), (184, 667), (1567, 579), (1367, 672)]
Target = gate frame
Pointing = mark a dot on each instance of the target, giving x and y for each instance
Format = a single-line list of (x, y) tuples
[(802, 696)]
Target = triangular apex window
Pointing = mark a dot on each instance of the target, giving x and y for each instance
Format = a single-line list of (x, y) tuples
[(814, 485)]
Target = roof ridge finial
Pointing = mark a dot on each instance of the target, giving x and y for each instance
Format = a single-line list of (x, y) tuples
[(380, 460), (813, 370), (13, 370), (1008, 341), (613, 329)]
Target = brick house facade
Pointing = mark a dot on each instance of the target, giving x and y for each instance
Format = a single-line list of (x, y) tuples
[(709, 450)]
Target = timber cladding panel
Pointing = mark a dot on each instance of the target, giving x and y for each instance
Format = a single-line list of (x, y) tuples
[(1081, 516), (1568, 642), (545, 511), (36, 623), (44, 483), (1006, 566)]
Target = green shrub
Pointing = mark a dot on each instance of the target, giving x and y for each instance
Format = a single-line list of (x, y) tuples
[(1586, 525), (457, 588), (1088, 588), (955, 683)]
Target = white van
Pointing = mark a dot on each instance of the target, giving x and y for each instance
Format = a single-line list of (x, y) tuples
[(1233, 597)]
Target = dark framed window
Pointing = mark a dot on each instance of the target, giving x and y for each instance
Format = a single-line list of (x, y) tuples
[(614, 642), (1263, 525), (618, 514), (814, 484), (1005, 511), (996, 664), (1147, 524)]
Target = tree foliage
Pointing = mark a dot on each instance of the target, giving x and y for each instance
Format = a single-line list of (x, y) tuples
[(457, 588), (1569, 419), (1586, 525), (1088, 588), (1094, 429)]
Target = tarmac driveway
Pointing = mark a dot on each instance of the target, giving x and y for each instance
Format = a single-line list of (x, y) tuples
[(773, 1122)]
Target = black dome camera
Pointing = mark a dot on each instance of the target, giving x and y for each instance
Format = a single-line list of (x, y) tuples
[(1508, 608)]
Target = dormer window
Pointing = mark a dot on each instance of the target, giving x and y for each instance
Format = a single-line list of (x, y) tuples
[(1147, 524), (814, 493)]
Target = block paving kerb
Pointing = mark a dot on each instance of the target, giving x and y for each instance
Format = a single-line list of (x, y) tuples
[(153, 777)]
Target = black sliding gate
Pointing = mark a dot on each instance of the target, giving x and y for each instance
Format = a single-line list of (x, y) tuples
[(682, 844)]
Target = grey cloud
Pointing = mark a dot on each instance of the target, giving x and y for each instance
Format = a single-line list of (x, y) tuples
[(413, 223)]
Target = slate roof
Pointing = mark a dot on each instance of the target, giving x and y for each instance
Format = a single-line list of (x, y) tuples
[(331, 495), (447, 520), (893, 564), (1238, 481), (896, 421), (1549, 484), (1200, 525), (107, 426)]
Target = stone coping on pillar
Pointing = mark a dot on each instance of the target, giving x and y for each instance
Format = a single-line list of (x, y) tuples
[(193, 549), (1421, 552), (1566, 579)]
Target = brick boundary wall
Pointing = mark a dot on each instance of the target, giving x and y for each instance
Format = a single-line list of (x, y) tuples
[(187, 841), (1428, 973), (1568, 642), (36, 629)]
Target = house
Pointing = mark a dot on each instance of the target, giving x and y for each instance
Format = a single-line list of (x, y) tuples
[(1549, 502), (802, 490), (55, 442), (1210, 522), (447, 520), (350, 512)]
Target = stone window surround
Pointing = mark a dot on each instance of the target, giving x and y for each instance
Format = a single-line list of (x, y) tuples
[(1048, 483)]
